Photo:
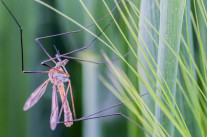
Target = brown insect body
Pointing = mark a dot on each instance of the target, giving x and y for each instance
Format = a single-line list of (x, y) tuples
[(58, 79)]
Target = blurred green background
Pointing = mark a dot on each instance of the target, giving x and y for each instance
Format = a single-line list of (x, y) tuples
[(89, 93)]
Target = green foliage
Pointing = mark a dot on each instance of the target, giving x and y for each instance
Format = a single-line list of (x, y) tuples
[(167, 44), (176, 104)]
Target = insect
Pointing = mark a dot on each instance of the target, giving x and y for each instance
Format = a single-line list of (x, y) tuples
[(58, 75)]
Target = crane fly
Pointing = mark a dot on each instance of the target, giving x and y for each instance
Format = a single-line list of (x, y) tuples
[(57, 76)]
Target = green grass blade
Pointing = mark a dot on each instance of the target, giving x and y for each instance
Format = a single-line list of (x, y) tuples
[(146, 11), (186, 52), (132, 129), (166, 61), (200, 14)]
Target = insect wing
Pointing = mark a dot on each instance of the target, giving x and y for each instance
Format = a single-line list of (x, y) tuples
[(54, 111), (35, 96)]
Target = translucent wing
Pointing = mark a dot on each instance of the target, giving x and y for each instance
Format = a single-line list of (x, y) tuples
[(54, 111), (35, 96)]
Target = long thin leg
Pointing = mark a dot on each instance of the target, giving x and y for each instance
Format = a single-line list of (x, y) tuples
[(104, 62), (109, 115), (71, 94), (21, 39), (100, 111), (103, 110), (64, 55), (76, 31), (113, 106), (85, 47)]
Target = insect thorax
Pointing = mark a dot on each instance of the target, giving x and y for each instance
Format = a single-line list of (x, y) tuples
[(57, 77)]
